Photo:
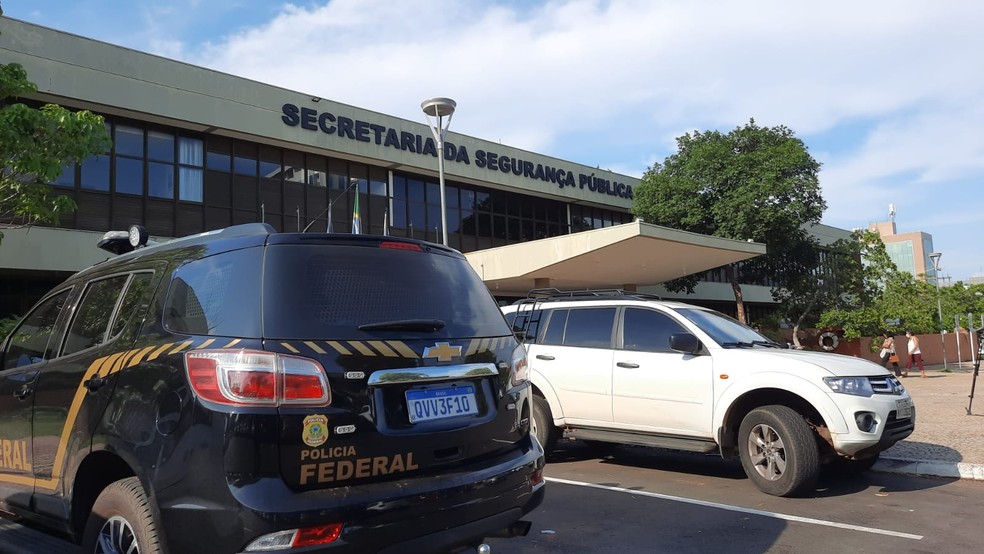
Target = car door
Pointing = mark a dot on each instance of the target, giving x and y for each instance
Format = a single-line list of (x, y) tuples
[(25, 354), (655, 388), (574, 356)]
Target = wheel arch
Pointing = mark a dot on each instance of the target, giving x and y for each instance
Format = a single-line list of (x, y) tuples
[(95, 473), (542, 388), (797, 394)]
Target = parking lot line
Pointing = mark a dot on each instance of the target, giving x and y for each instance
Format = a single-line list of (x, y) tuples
[(763, 513)]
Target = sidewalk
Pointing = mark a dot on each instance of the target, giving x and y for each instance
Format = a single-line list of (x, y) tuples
[(947, 441)]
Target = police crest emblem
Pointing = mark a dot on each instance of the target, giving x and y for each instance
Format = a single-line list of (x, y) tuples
[(315, 430)]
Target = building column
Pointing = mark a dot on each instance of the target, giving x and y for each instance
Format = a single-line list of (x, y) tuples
[(541, 283), (629, 287)]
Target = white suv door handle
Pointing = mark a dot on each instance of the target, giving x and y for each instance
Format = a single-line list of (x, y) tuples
[(544, 357), (629, 365)]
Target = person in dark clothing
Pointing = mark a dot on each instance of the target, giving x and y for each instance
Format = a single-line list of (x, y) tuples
[(888, 353)]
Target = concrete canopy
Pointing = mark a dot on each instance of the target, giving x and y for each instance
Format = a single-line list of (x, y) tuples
[(624, 256)]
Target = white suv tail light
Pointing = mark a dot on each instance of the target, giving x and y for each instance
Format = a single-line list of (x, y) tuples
[(256, 378)]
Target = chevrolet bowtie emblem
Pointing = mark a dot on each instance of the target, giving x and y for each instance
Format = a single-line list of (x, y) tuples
[(442, 351)]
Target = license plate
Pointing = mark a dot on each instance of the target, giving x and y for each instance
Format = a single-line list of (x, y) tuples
[(430, 404), (903, 408)]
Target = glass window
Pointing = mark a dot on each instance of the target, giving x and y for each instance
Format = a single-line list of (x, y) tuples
[(190, 151), (218, 162), (294, 166), (202, 299), (67, 176), (134, 301), (317, 171), (29, 342), (129, 176), (244, 166), (160, 180), (92, 317), (160, 146), (129, 141), (95, 173), (415, 190), (590, 327), (190, 184), (326, 291), (648, 330), (555, 327)]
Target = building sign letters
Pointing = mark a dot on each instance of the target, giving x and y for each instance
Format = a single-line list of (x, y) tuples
[(363, 131)]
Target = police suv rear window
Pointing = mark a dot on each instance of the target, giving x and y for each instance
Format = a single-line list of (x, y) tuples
[(217, 295), (328, 291)]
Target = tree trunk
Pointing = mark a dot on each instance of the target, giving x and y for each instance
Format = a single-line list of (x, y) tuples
[(799, 321), (732, 275)]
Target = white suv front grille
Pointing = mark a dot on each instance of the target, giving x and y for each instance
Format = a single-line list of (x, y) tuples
[(886, 385)]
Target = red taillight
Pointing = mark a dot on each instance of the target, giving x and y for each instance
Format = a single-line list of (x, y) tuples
[(256, 378), (536, 477), (520, 366), (401, 246), (311, 536)]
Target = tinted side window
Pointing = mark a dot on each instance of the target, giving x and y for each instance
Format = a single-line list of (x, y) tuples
[(519, 320), (30, 340), (648, 330), (555, 327), (218, 295), (133, 300), (92, 317), (590, 327)]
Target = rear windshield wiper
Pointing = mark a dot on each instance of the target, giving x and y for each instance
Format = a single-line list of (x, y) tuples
[(404, 325)]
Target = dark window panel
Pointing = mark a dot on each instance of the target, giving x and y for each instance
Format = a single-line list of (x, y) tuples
[(191, 219), (317, 171), (218, 189), (294, 198), (378, 181), (270, 165), (217, 218), (93, 212), (337, 174), (271, 195), (160, 218), (244, 166), (415, 190), (127, 210), (218, 162), (293, 166), (244, 216), (66, 178), (245, 195)]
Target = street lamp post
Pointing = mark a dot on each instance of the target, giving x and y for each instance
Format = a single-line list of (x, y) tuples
[(935, 256), (439, 108)]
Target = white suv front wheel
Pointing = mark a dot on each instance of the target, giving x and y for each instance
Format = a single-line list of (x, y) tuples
[(778, 451)]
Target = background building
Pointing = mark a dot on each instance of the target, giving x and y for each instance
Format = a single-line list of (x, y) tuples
[(910, 251)]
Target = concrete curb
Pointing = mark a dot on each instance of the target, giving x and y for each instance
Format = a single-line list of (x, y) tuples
[(931, 468)]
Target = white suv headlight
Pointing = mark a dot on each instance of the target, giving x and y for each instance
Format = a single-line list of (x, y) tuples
[(857, 386)]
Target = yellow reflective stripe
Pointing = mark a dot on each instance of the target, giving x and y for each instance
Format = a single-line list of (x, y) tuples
[(315, 347), (73, 412), (402, 348), (232, 343), (338, 347), (107, 366), (484, 345), (383, 349), (363, 349), (159, 351), (181, 347), (139, 357), (204, 344), (289, 347), (121, 363)]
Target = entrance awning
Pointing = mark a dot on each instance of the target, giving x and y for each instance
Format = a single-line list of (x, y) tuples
[(624, 256)]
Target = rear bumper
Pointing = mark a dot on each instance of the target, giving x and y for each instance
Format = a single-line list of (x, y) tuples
[(431, 513)]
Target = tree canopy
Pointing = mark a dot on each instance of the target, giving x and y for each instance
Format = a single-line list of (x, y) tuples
[(753, 183), (35, 144)]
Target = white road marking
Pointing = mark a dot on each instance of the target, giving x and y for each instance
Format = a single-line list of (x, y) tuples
[(753, 511)]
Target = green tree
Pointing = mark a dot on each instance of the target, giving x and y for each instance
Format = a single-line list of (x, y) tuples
[(35, 143), (753, 183)]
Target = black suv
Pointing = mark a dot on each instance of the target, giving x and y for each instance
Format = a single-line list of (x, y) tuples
[(244, 390)]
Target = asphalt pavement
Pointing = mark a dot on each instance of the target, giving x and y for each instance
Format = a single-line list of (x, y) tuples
[(948, 440)]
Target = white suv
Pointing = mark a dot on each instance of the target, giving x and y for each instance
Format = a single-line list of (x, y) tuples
[(627, 368)]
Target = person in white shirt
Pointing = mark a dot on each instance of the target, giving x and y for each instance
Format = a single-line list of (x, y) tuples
[(915, 355)]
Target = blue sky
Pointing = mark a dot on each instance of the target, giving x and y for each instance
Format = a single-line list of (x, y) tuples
[(887, 95)]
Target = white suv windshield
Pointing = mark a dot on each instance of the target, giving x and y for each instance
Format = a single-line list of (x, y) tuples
[(726, 331)]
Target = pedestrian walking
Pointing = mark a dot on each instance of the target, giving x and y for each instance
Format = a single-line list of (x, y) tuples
[(915, 355), (888, 354)]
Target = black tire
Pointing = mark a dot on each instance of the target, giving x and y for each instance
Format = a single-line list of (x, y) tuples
[(122, 517), (778, 451), (844, 466), (542, 425)]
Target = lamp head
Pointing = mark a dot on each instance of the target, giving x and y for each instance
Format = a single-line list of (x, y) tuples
[(438, 107)]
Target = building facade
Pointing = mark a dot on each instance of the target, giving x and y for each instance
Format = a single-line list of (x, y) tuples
[(909, 251)]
